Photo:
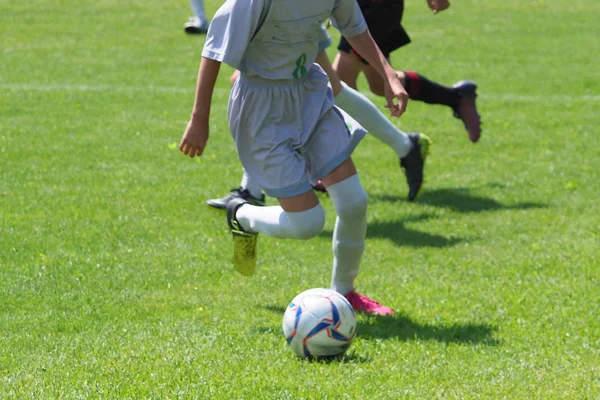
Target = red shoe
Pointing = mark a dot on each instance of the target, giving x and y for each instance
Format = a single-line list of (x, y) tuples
[(367, 305), (467, 110)]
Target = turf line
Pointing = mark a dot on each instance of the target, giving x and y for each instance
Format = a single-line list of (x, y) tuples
[(30, 87)]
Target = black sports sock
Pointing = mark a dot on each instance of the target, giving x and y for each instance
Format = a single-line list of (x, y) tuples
[(422, 89)]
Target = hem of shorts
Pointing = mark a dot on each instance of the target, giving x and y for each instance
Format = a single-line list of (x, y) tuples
[(336, 161), (289, 191)]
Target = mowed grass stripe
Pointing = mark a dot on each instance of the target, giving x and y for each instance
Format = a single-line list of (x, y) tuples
[(28, 87), (116, 279)]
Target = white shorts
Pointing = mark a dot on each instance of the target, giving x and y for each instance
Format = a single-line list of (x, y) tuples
[(288, 134)]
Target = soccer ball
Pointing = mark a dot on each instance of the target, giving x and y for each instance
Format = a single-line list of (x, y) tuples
[(319, 323)]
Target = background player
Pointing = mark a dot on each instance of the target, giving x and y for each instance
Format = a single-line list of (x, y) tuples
[(384, 18), (198, 24)]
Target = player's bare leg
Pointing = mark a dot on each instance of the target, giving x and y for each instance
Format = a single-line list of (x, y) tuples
[(347, 68), (460, 97)]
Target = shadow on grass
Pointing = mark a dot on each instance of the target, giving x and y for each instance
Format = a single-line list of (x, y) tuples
[(402, 327), (397, 232), (460, 200)]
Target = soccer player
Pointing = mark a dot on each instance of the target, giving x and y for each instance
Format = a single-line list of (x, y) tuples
[(198, 24), (286, 128), (411, 149), (384, 18)]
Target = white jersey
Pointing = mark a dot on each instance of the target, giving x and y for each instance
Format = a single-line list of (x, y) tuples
[(277, 39)]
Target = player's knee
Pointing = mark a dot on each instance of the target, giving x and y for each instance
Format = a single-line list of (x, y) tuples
[(309, 223), (354, 206)]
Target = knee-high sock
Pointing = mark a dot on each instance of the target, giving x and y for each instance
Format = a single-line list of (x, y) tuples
[(250, 185), (422, 89), (368, 115), (198, 9), (274, 221), (350, 201)]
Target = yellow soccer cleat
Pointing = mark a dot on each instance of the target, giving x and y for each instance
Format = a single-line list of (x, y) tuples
[(244, 243)]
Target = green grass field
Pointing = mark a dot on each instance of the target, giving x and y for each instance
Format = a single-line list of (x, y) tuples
[(115, 280)]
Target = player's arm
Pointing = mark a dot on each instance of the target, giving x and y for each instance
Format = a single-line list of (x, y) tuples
[(323, 60), (195, 136), (226, 41)]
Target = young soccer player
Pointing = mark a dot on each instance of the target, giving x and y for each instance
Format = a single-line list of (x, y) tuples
[(411, 149), (198, 24), (384, 18), (286, 129)]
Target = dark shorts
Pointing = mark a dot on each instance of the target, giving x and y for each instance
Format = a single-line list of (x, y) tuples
[(384, 19)]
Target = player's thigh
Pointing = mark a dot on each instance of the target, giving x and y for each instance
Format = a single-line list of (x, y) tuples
[(330, 146), (347, 66), (299, 203), (375, 80), (344, 171)]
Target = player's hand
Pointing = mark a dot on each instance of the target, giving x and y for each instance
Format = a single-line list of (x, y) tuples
[(438, 5), (396, 96), (194, 138)]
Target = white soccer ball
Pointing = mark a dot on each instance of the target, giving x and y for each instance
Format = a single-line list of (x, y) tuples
[(319, 323)]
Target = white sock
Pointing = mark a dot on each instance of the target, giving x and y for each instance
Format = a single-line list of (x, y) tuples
[(373, 120), (350, 201), (275, 222), (198, 9), (251, 185)]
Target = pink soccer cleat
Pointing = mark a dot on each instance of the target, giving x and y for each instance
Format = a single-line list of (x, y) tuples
[(365, 304)]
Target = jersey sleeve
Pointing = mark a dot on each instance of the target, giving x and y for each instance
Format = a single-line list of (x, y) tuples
[(347, 18), (231, 31)]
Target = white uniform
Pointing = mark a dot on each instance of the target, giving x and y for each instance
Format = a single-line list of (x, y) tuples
[(281, 114)]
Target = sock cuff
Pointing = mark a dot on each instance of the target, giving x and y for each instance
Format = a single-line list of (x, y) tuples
[(347, 186), (342, 95), (413, 83)]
